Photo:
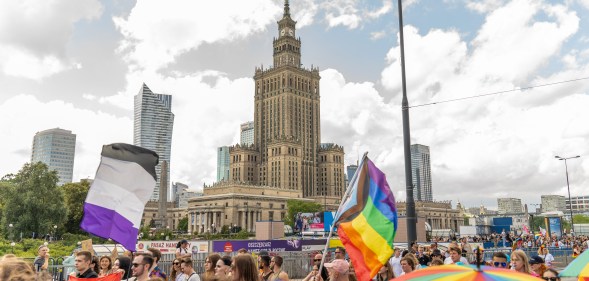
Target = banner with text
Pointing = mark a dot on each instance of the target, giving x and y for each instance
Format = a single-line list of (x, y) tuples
[(256, 246), (170, 246)]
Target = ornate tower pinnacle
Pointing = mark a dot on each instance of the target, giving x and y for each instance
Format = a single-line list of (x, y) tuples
[(286, 9)]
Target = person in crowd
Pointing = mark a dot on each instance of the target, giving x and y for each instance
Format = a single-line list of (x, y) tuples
[(41, 262), (436, 262), (277, 273), (338, 270), (242, 251), (395, 262), (550, 275), (317, 262), (182, 250), (243, 268), (499, 260), (519, 262), (548, 258), (156, 271), (455, 256), (105, 266), (95, 264), (176, 273), (352, 273), (83, 268), (467, 250), (423, 258), (435, 255), (408, 265), (385, 273), (123, 264), (210, 264), (187, 268), (340, 253), (537, 266), (223, 268), (12, 268), (142, 263), (264, 265)]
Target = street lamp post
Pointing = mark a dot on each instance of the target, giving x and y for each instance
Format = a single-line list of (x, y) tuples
[(568, 187), (54, 232), (12, 245), (10, 226)]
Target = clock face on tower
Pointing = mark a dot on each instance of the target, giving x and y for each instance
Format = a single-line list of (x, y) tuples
[(282, 32), (290, 32)]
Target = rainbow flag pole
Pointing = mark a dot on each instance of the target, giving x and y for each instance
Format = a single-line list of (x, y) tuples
[(366, 220), (337, 213)]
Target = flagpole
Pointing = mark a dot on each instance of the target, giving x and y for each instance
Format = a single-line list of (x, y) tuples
[(346, 196)]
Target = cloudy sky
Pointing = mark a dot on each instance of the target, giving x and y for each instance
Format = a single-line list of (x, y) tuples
[(76, 64)]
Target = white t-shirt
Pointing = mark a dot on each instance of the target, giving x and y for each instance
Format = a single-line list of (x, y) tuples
[(182, 251), (448, 260), (193, 277), (548, 259), (396, 264)]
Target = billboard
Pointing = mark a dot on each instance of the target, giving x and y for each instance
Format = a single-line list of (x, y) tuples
[(313, 222), (257, 245), (170, 246), (554, 226)]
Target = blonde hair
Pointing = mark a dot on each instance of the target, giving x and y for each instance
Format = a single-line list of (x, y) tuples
[(524, 258), (14, 269)]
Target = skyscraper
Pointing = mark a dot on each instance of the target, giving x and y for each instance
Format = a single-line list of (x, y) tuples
[(247, 133), (351, 170), (509, 205), (56, 148), (422, 175), (223, 163), (152, 128), (552, 203)]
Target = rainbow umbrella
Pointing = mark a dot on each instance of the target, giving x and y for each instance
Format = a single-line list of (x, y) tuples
[(578, 268), (452, 272)]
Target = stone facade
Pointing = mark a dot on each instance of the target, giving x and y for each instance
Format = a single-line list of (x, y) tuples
[(173, 215), (286, 160), (439, 215)]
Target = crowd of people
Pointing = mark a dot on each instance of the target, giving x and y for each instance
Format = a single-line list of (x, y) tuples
[(243, 266)]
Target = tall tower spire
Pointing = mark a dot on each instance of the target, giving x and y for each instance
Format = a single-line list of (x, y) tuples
[(286, 9)]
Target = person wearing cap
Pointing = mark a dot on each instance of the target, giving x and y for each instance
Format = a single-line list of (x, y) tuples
[(338, 270), (537, 266), (437, 255), (182, 249)]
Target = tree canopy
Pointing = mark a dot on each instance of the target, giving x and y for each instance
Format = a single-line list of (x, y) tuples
[(74, 195), (297, 206), (32, 201)]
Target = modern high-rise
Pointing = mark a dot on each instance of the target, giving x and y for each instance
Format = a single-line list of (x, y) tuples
[(152, 128), (552, 203), (421, 172), (246, 135), (509, 205), (223, 163), (579, 204), (56, 148), (351, 170)]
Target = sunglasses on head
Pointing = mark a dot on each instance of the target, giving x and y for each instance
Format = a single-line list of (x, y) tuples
[(497, 264), (550, 278)]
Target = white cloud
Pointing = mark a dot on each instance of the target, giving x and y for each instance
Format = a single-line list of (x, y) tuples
[(484, 6), (504, 144), (92, 129), (34, 35), (377, 35), (386, 8), (156, 32)]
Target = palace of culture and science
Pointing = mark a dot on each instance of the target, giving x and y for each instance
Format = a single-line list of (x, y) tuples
[(287, 159)]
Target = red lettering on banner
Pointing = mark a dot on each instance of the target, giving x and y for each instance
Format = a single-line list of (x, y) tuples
[(228, 247)]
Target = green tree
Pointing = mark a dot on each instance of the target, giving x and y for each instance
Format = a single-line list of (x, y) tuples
[(536, 222), (297, 206), (32, 200), (580, 218), (183, 224), (74, 195)]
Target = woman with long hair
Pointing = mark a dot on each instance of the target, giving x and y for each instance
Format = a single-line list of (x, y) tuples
[(223, 269), (176, 273), (551, 275), (95, 264), (537, 266), (519, 262), (105, 266), (123, 264), (182, 249), (210, 264), (243, 268), (385, 273)]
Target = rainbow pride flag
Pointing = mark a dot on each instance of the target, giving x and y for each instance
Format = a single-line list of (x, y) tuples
[(367, 220)]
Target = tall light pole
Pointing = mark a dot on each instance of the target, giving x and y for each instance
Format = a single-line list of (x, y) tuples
[(410, 205), (568, 187)]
